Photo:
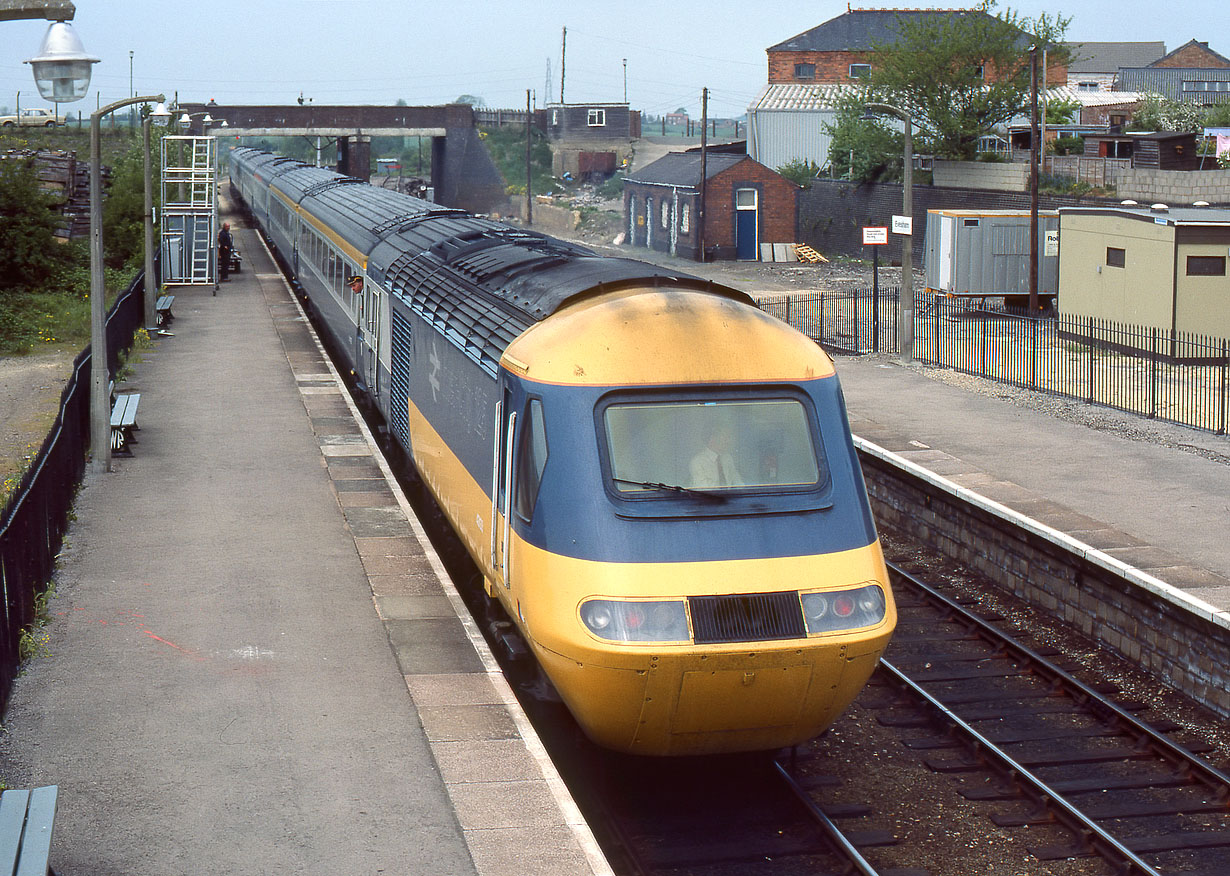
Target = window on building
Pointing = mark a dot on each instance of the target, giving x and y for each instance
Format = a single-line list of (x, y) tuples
[(859, 71), (980, 72), (1115, 257), (597, 118), (666, 213), (554, 117), (685, 218), (1206, 266), (1086, 86), (804, 71)]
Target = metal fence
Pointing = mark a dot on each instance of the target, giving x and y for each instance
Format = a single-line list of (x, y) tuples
[(1172, 376), (35, 518)]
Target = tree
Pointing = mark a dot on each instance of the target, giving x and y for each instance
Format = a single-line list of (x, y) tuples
[(30, 256), (963, 74), (1157, 113), (471, 99), (863, 148)]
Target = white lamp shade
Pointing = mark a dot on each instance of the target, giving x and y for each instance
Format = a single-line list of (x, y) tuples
[(62, 68), (160, 115)]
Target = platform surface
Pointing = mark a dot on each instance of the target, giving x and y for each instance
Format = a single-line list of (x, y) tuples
[(253, 664)]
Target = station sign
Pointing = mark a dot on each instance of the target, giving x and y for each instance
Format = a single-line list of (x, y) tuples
[(875, 235), (903, 225), (1051, 247)]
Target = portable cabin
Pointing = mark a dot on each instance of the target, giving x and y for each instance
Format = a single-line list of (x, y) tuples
[(1154, 267), (985, 254)]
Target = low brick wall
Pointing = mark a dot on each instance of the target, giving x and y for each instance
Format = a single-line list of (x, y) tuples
[(1183, 642)]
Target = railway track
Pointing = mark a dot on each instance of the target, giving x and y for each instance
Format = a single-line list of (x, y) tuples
[(1061, 751)]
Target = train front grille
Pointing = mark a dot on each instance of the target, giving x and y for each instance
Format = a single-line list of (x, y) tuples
[(746, 617)]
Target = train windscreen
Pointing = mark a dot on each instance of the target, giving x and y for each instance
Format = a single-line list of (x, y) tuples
[(732, 444)]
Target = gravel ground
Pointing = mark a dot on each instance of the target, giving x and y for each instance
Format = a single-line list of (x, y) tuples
[(30, 388)]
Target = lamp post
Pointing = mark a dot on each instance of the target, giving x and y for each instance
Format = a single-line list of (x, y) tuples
[(100, 423), (905, 307), (161, 116)]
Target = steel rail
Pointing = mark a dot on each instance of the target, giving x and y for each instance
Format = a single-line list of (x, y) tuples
[(1085, 828), (861, 864), (1215, 778)]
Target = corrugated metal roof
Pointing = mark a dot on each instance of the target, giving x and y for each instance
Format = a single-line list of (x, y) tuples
[(1109, 57), (858, 30), (1093, 98), (683, 168), (800, 96)]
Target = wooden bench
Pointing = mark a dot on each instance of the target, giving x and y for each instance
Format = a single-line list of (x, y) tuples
[(26, 820), (124, 423), (162, 309)]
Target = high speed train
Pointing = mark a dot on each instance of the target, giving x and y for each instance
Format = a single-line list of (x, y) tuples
[(655, 478)]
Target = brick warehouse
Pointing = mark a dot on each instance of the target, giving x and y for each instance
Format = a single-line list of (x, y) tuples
[(747, 204)]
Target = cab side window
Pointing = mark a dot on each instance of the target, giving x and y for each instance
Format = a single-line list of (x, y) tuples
[(531, 460)]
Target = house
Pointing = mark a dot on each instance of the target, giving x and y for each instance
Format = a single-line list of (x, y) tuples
[(598, 122), (1153, 267), (1095, 66), (842, 49), (1192, 73), (746, 204)]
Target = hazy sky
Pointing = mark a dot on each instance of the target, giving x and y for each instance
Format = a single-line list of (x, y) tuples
[(362, 51)]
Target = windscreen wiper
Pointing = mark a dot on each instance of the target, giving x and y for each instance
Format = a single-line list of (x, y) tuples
[(674, 488)]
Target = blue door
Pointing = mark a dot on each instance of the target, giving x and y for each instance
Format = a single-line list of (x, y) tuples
[(746, 214)]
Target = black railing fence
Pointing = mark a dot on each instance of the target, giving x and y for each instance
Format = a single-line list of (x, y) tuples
[(36, 515), (1177, 377)]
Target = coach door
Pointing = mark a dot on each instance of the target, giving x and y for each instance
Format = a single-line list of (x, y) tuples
[(502, 467), (369, 336)]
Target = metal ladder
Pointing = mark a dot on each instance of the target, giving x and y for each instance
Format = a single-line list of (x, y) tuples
[(190, 207)]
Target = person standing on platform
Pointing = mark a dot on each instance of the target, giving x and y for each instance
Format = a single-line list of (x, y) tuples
[(226, 245)]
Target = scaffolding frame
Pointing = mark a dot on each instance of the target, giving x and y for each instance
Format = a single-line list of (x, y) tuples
[(190, 210)]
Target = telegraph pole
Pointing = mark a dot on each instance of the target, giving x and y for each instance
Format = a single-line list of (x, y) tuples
[(704, 168), (529, 187), (563, 59)]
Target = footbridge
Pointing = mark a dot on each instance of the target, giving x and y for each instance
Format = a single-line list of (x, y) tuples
[(462, 172)]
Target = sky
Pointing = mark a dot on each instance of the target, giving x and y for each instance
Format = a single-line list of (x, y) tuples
[(432, 52)]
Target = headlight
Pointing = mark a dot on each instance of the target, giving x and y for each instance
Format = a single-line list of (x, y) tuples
[(618, 621), (836, 610)]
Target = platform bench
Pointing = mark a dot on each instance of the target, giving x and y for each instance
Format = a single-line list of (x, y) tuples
[(26, 820), (162, 309), (124, 423)]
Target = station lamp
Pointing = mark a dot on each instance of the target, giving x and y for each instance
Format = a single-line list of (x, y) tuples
[(61, 67)]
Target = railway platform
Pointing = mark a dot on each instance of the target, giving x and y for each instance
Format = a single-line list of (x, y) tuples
[(1158, 506), (255, 663)]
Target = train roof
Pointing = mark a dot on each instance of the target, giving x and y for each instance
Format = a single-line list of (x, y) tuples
[(479, 281)]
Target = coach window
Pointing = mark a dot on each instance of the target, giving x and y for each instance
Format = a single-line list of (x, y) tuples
[(1206, 266), (1116, 257), (531, 461)]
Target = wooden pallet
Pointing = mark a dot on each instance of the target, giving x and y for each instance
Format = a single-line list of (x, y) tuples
[(806, 254)]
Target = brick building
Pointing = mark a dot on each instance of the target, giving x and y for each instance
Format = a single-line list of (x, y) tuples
[(746, 204), (842, 49)]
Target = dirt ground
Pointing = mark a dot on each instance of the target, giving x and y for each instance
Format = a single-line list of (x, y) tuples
[(30, 388)]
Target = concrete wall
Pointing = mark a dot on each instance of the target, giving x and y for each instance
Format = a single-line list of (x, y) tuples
[(1145, 620), (1173, 187), (995, 176)]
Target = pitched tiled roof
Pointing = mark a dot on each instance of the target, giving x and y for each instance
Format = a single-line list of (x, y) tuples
[(860, 29), (683, 168), (1109, 57)]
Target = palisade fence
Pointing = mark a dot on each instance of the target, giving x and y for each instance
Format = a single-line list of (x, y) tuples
[(35, 517), (1177, 377)]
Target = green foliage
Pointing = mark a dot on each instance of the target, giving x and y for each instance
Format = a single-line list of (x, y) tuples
[(1067, 146), (471, 99), (936, 71), (1157, 113), (1062, 112), (863, 149), (506, 146), (800, 172), (29, 253)]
